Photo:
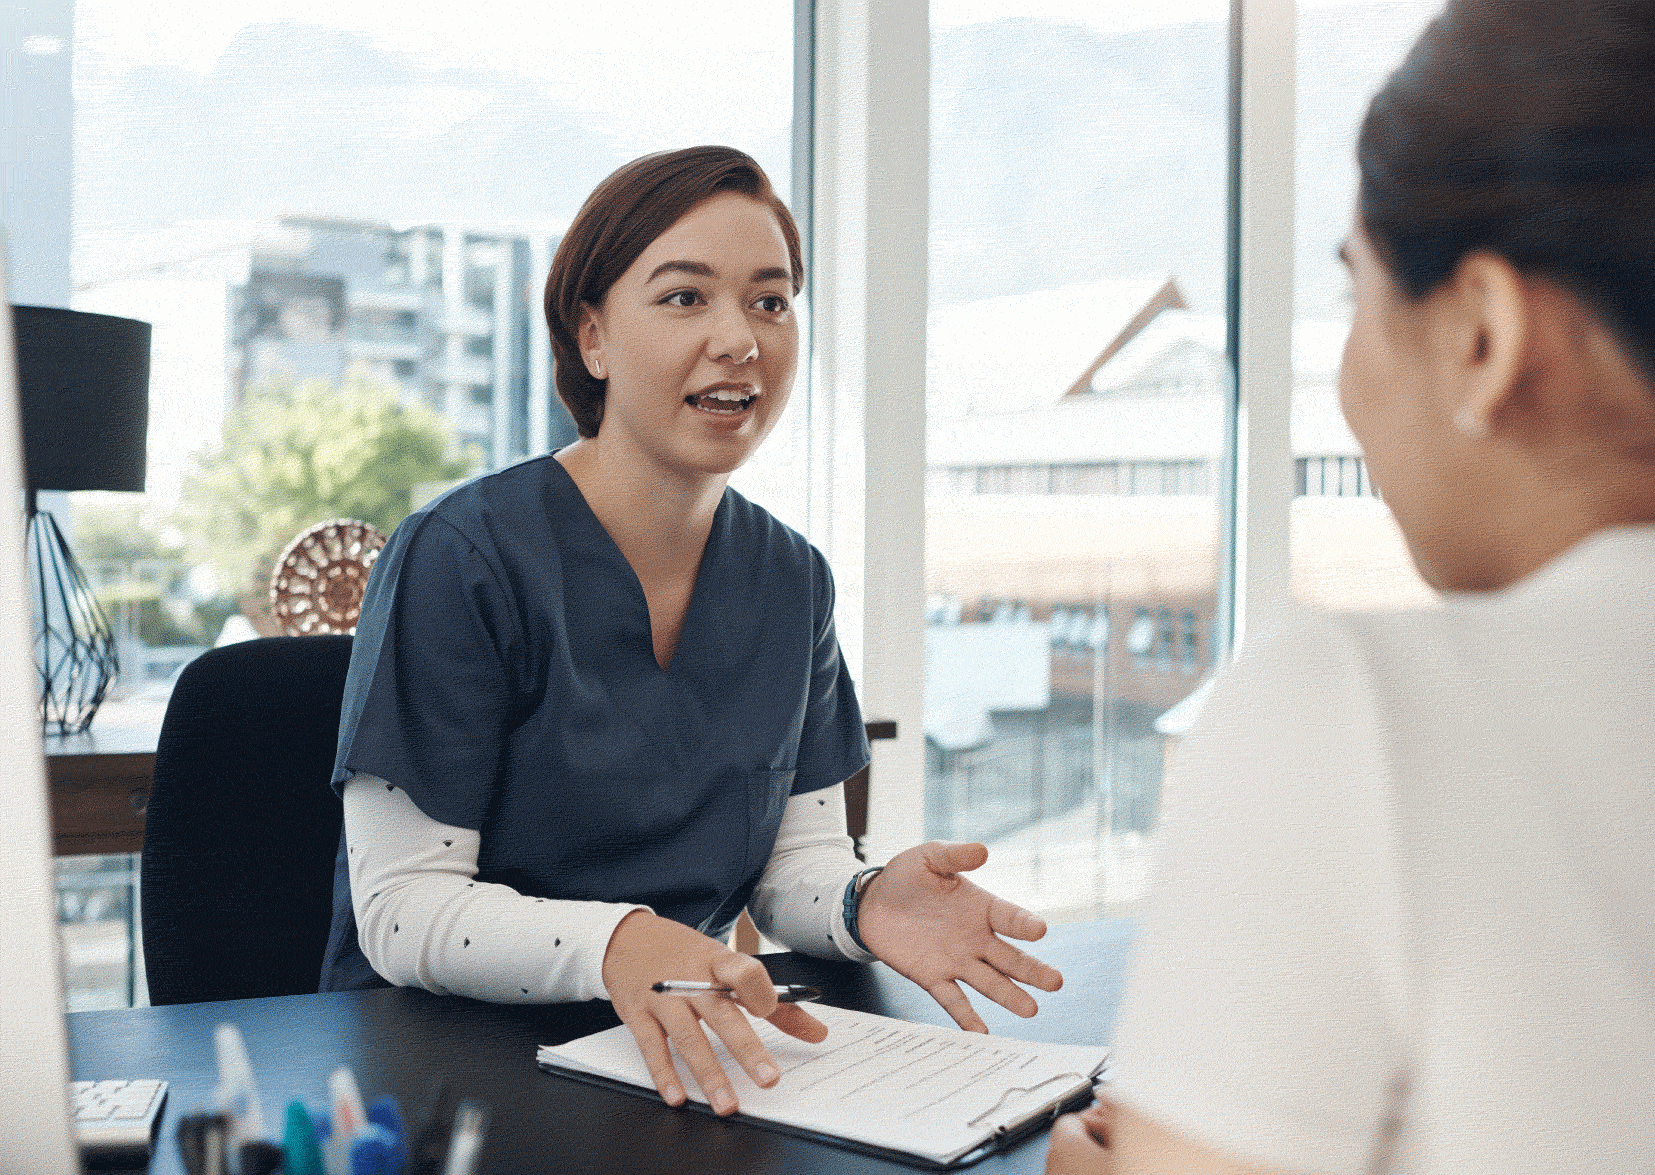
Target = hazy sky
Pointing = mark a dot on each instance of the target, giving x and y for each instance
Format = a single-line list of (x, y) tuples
[(703, 59), (1108, 16), (524, 37)]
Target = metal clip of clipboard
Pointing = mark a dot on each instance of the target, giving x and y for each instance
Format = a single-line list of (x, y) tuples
[(1049, 1111)]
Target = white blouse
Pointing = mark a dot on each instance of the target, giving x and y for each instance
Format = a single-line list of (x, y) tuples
[(424, 921)]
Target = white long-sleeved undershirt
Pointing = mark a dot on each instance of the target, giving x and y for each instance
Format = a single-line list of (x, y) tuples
[(423, 920)]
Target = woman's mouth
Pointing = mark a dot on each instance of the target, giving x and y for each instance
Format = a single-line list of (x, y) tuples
[(724, 401)]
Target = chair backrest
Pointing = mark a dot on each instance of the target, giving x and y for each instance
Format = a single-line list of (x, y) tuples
[(242, 827)]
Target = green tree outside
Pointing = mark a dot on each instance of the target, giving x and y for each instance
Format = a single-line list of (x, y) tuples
[(119, 528), (137, 565), (298, 453)]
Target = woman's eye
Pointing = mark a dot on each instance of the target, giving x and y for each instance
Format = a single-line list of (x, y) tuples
[(681, 298), (772, 303)]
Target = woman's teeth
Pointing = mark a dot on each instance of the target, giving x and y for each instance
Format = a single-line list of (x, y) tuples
[(721, 401)]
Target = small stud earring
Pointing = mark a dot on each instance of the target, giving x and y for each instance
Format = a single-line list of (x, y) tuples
[(598, 367), (1469, 423)]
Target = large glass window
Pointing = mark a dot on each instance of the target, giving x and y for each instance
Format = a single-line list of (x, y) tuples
[(351, 205), (367, 194), (1346, 550), (363, 196), (1076, 405)]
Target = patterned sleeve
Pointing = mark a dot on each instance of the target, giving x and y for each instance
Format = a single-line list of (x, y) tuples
[(423, 920), (799, 900)]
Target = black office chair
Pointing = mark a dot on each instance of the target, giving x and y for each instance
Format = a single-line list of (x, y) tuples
[(239, 841)]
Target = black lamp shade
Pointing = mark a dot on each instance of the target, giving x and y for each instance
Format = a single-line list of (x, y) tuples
[(84, 380)]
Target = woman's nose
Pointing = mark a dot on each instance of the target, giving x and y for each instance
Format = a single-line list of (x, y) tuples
[(732, 338)]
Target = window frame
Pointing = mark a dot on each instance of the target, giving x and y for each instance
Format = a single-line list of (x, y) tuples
[(870, 121)]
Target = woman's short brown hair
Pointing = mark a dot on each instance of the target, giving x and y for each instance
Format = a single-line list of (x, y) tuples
[(619, 220), (1525, 128)]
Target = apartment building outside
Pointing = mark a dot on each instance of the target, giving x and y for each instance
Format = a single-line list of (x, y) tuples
[(1072, 545), (447, 316)]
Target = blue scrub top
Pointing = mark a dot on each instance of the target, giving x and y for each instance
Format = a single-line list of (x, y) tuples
[(504, 675)]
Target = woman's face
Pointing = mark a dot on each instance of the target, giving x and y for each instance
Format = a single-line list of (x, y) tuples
[(1396, 390), (698, 339)]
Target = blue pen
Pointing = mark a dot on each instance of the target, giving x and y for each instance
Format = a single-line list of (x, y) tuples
[(383, 1111), (371, 1151), (332, 1163)]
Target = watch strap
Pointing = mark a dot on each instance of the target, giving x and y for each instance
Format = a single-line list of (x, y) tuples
[(853, 900)]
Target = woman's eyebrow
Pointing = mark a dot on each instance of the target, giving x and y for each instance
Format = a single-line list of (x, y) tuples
[(701, 269), (698, 268)]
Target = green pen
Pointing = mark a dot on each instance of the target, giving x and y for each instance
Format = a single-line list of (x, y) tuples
[(300, 1154)]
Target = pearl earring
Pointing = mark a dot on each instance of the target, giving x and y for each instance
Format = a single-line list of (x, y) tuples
[(1469, 423)]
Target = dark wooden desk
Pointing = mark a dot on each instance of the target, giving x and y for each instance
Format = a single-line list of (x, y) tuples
[(99, 781), (395, 1040)]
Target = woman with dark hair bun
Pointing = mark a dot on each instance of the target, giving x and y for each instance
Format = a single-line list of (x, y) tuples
[(596, 706), (1426, 941)]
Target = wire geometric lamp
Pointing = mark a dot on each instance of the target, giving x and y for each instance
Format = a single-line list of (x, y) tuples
[(84, 383)]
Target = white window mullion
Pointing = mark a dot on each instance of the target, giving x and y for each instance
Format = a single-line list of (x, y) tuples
[(1265, 361), (871, 226)]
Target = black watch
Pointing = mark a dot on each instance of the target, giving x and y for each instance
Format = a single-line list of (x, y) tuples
[(853, 900)]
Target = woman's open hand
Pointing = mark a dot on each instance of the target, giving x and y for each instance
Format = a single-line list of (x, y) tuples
[(927, 922), (646, 949)]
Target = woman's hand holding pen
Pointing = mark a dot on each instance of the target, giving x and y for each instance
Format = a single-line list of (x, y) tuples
[(646, 948), (937, 928)]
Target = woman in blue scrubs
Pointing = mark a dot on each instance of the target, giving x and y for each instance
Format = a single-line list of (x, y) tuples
[(596, 705)]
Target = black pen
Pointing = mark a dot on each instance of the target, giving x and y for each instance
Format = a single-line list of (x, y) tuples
[(428, 1139), (201, 1144), (786, 993)]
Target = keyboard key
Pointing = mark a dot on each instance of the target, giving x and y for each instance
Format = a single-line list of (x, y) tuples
[(116, 1120)]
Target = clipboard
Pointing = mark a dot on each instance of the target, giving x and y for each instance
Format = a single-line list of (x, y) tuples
[(914, 1094), (1004, 1136)]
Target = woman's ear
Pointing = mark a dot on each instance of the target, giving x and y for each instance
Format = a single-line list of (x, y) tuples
[(1492, 341), (590, 336)]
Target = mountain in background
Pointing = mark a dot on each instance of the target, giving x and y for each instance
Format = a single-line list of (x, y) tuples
[(296, 118), (1059, 155), (1062, 155)]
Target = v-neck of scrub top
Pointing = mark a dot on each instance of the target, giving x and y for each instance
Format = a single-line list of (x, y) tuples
[(665, 702)]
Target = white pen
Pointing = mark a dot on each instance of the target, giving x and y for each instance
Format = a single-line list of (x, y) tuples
[(786, 993), (470, 1120), (346, 1102), (237, 1094)]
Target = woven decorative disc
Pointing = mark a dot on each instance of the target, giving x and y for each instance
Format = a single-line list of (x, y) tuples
[(318, 582)]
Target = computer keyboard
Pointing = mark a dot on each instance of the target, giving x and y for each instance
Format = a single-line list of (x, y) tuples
[(115, 1121)]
